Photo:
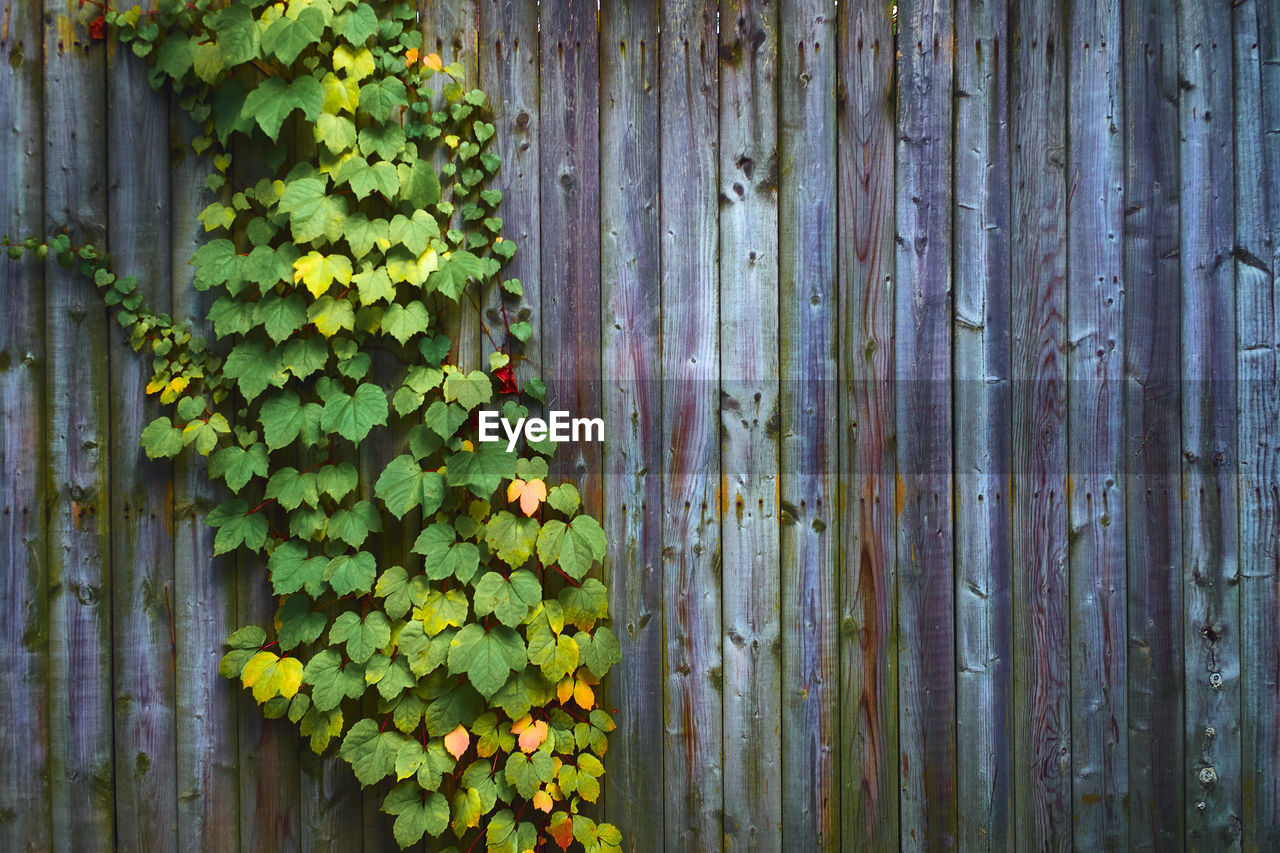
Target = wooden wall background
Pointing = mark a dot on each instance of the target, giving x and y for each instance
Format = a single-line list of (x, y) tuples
[(939, 365)]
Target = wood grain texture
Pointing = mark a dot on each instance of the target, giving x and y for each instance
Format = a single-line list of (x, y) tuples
[(569, 137), (1152, 426), (144, 648), (1209, 486), (1257, 103), (922, 328), (204, 589), (1095, 432), (807, 335), (690, 348), (632, 461), (985, 797), (1039, 198), (77, 429), (866, 146), (24, 449), (748, 502)]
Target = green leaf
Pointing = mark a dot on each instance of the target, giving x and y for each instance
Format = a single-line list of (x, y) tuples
[(348, 573), (363, 234), (237, 32), (253, 368), (440, 610), (365, 178), (419, 184), (585, 605), (362, 637), (338, 133), (281, 315), (332, 315), (454, 271), (483, 469), (353, 415), (176, 55), (527, 773), (332, 681), (510, 599), (217, 263), (286, 38), (456, 706), (374, 285), (291, 569), (354, 525), (284, 418), (444, 419), (297, 623), (487, 658), (304, 356), (444, 556), (312, 213), (424, 653), (416, 232), (416, 814), (575, 546), (270, 103), (379, 97), (208, 62), (337, 481), (385, 140), (556, 654), (403, 321), (236, 526), (292, 488), (162, 439), (238, 465), (468, 389), (599, 651), (403, 485), (357, 24), (371, 753)]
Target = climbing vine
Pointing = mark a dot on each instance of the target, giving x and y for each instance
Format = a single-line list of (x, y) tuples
[(439, 627)]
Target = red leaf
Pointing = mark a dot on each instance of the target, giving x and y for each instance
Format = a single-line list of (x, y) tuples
[(506, 380), (98, 28)]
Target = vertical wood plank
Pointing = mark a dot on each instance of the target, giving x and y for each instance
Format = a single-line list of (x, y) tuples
[(204, 589), (1209, 533), (24, 630), (569, 141), (980, 328), (869, 768), (808, 309), (1257, 63), (78, 430), (1152, 426), (922, 327), (1095, 373), (632, 404), (749, 488), (1042, 676), (689, 337), (144, 651)]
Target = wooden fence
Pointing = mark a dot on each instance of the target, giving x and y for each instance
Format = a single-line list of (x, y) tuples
[(938, 352)]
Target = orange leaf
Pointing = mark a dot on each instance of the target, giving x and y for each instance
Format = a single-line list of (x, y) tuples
[(561, 828), (532, 737), (531, 494), (564, 690), (583, 695), (542, 800), (457, 742), (433, 62), (521, 724), (411, 55)]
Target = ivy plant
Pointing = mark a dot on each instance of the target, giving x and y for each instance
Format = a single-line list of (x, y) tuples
[(439, 623)]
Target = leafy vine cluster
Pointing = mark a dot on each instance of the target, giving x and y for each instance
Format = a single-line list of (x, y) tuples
[(464, 666)]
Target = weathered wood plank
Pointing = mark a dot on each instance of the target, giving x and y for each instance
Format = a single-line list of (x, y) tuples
[(331, 798), (204, 589), (748, 494), (1095, 432), (508, 61), (1209, 499), (810, 434), (24, 453), (144, 652), (1257, 63), (922, 329), (1152, 429), (868, 743), (980, 329), (1042, 676), (693, 790), (632, 462), (77, 429)]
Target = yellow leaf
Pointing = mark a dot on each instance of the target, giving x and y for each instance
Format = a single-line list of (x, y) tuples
[(542, 801), (155, 385), (532, 737), (358, 65), (457, 741), (270, 675), (340, 94), (318, 272), (411, 55), (564, 690), (331, 315), (530, 494), (428, 263), (433, 62), (583, 695), (468, 445)]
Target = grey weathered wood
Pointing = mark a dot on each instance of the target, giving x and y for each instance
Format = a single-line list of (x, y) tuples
[(1095, 432), (692, 699), (1039, 195), (144, 661), (1209, 488), (985, 796), (868, 745), (748, 495), (204, 589), (922, 329), (807, 335), (24, 449), (1152, 430), (77, 431), (1257, 102), (630, 326)]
